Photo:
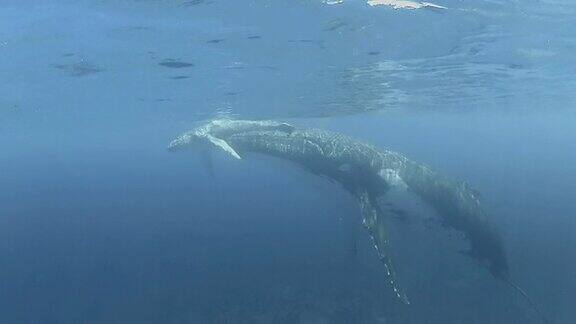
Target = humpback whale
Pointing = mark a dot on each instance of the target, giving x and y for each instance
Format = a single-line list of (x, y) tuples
[(368, 174)]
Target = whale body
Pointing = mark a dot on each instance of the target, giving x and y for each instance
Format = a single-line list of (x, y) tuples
[(367, 173)]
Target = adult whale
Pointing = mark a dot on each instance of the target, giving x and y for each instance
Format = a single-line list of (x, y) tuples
[(368, 173)]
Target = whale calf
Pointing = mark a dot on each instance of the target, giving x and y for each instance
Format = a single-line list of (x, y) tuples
[(367, 173)]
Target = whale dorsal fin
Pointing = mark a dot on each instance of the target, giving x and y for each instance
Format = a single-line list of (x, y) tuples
[(220, 143), (286, 128)]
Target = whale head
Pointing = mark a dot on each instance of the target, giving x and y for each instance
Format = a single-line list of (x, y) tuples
[(188, 140), (215, 133)]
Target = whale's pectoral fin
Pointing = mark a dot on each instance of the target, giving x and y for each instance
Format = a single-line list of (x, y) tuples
[(373, 220), (223, 145)]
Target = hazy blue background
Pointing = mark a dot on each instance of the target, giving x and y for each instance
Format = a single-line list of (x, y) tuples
[(99, 224)]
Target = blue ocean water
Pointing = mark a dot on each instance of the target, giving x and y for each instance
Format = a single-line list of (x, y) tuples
[(100, 224)]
